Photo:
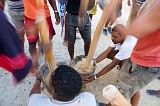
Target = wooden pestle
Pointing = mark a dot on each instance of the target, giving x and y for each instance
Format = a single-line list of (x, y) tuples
[(114, 97), (44, 36), (105, 15)]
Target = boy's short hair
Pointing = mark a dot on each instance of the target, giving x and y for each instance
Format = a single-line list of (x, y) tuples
[(66, 81), (118, 28)]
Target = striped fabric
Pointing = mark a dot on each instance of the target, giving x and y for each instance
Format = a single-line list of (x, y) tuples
[(15, 4), (12, 57)]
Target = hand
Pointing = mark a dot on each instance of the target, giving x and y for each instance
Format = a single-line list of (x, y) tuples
[(57, 18), (81, 22), (89, 79)]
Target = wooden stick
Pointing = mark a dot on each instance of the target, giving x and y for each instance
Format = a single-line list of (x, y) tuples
[(114, 97), (105, 15), (44, 35)]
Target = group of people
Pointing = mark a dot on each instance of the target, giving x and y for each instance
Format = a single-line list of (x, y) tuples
[(137, 56)]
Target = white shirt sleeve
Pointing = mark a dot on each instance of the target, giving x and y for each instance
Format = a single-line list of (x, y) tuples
[(126, 47), (32, 101), (112, 44)]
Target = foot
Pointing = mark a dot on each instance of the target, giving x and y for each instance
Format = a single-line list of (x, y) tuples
[(158, 78), (65, 43), (154, 93), (105, 31)]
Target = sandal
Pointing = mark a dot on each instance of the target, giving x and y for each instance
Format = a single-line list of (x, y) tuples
[(153, 92)]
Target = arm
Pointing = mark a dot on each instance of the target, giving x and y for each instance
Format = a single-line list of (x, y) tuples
[(105, 70), (150, 20), (54, 7), (105, 54), (36, 87)]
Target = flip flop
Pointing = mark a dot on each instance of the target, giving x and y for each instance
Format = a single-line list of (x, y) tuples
[(152, 92)]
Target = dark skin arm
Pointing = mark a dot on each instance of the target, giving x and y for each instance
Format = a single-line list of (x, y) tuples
[(54, 7), (36, 87), (105, 54), (105, 70)]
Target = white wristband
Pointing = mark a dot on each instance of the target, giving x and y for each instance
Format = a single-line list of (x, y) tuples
[(95, 77)]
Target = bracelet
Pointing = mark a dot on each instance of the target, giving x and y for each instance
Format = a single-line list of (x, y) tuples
[(95, 77), (38, 79)]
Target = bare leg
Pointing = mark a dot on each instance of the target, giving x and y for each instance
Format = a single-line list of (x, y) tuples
[(86, 47), (71, 49), (21, 36), (105, 28), (33, 51), (135, 99), (112, 22), (91, 15), (107, 22)]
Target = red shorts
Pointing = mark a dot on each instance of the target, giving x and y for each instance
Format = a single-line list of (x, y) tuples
[(32, 31)]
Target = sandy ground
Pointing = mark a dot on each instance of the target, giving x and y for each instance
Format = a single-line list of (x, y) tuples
[(17, 96)]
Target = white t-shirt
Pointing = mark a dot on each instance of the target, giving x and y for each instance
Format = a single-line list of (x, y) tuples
[(83, 99), (126, 48)]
